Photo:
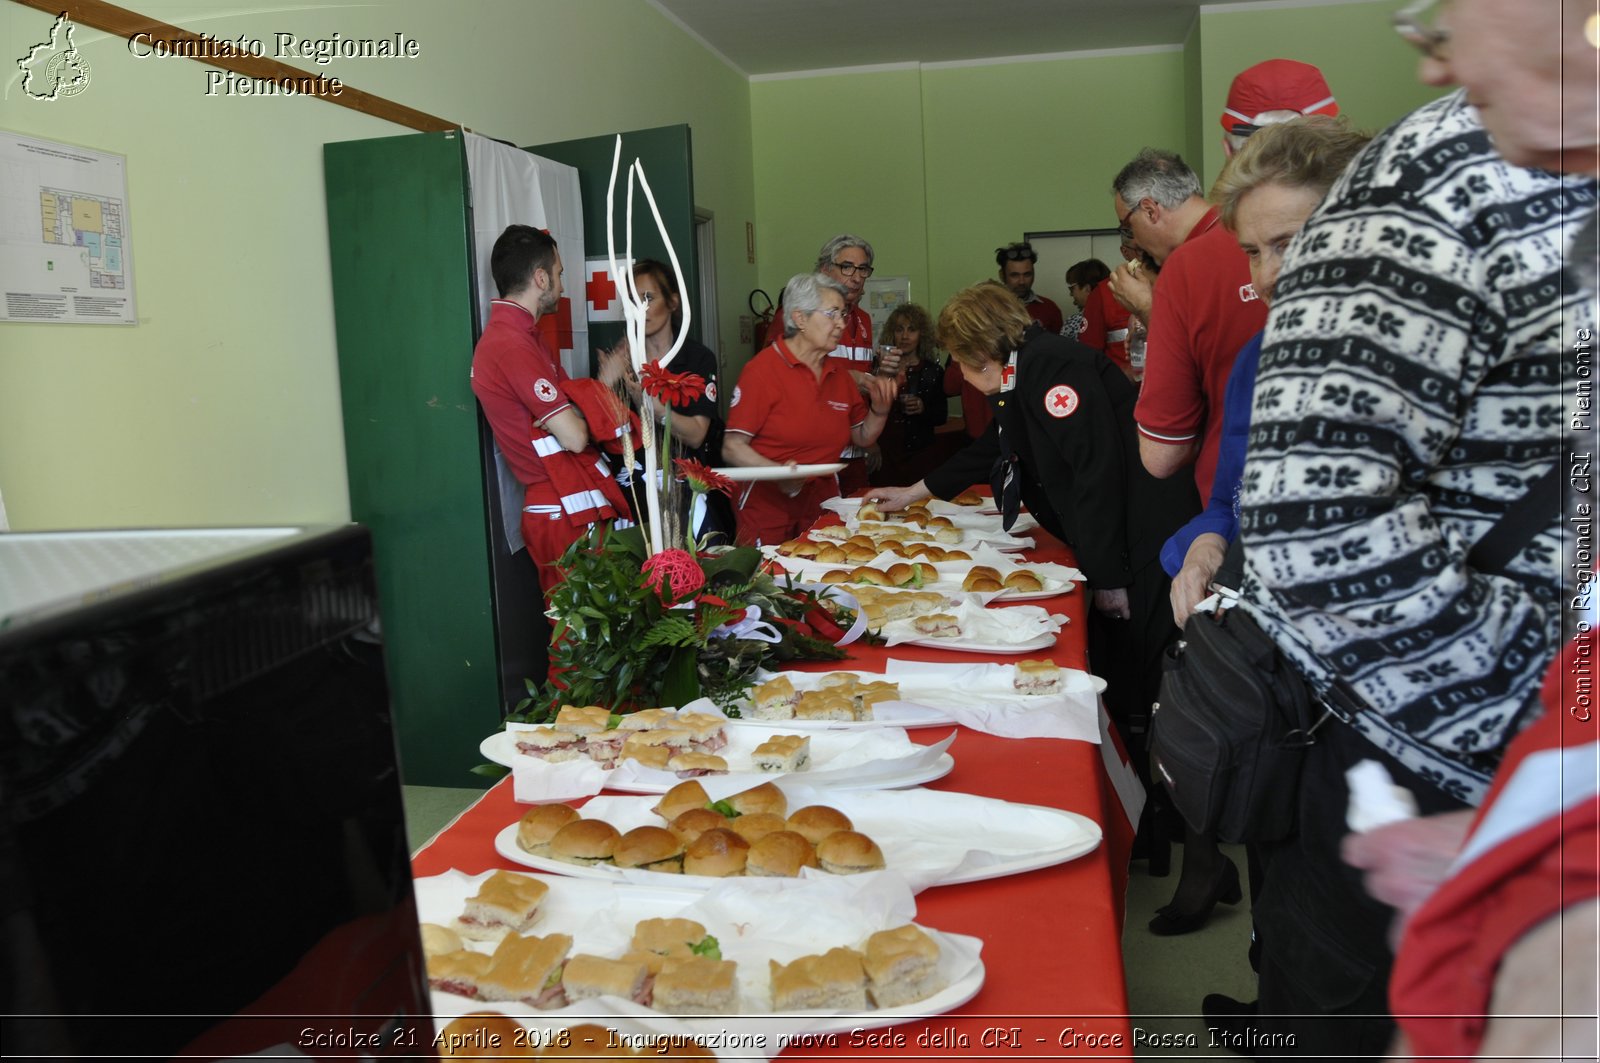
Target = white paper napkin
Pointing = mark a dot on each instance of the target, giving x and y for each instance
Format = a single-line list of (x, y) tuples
[(982, 697), (981, 626)]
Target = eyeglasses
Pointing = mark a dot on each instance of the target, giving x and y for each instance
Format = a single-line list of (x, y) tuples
[(850, 269), (1431, 41), (1123, 226), (836, 314), (1016, 252)]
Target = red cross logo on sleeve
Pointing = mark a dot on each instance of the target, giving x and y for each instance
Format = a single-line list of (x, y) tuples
[(1060, 401), (545, 390)]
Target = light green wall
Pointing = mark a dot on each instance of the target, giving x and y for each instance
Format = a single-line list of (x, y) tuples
[(1372, 72), (222, 405)]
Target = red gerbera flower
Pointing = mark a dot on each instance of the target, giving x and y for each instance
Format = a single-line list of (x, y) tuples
[(674, 389), (702, 478), (673, 574)]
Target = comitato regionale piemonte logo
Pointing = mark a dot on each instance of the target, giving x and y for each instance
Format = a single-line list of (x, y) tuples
[(54, 69)]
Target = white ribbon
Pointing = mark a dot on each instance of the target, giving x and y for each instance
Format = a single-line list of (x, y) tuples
[(751, 627)]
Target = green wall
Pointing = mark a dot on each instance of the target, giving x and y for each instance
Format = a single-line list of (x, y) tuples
[(222, 405)]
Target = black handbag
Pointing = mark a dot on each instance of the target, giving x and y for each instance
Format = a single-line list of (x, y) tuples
[(1234, 717)]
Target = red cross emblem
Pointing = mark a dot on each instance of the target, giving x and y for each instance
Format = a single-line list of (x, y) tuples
[(711, 390), (600, 290), (545, 390), (1060, 401)]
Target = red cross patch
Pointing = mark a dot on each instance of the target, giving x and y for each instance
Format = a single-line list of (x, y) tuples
[(1060, 401), (711, 390), (545, 390), (735, 400)]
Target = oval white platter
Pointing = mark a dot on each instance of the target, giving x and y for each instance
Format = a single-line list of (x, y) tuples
[(748, 474)]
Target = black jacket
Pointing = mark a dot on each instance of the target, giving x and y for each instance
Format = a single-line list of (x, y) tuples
[(1069, 421)]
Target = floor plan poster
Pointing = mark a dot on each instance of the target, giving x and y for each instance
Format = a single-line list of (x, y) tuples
[(65, 254)]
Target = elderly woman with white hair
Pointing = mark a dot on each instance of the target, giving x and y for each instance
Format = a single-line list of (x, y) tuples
[(794, 405)]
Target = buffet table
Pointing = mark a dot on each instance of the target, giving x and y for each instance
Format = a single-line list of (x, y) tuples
[(1052, 937)]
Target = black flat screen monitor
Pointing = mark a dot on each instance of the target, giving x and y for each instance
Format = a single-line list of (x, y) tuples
[(202, 842)]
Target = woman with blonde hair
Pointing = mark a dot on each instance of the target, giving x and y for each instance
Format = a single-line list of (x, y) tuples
[(907, 443)]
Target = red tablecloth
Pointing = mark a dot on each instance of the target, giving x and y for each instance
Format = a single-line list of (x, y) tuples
[(1052, 937)]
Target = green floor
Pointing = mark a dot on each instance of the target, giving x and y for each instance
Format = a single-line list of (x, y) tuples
[(1167, 976)]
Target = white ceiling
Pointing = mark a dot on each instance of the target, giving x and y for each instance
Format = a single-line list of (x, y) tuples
[(765, 37)]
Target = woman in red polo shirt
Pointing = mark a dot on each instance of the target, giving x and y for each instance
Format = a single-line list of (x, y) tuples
[(792, 405)]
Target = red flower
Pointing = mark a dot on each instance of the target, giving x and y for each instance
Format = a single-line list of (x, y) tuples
[(702, 478), (674, 389), (710, 599), (673, 574)]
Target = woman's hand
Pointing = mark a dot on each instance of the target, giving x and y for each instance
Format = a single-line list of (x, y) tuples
[(880, 391), (913, 404), (1403, 863), (1192, 584), (894, 499), (1113, 603)]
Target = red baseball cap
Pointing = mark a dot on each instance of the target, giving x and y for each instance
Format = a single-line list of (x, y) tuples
[(1276, 85)]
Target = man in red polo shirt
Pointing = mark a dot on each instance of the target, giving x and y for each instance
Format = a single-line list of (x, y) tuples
[(520, 387), (1016, 262), (1206, 313)]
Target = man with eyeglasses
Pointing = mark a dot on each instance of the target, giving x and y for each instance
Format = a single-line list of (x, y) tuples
[(848, 260), (1410, 396), (1016, 262)]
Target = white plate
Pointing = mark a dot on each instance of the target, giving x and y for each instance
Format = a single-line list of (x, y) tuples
[(743, 474), (929, 837), (1039, 642), (600, 918), (826, 749)]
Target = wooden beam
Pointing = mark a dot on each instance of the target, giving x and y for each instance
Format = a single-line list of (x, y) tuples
[(128, 24)]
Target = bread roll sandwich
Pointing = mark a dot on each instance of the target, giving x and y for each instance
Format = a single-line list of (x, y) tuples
[(825, 705), (645, 719), (816, 822), (484, 1035), (506, 902), (848, 852), (674, 938), (803, 548), (763, 798), (549, 744), (835, 979), (757, 825), (438, 940), (835, 575), (644, 753), (783, 753), (694, 765), (780, 854), (690, 824), (681, 798), (937, 626), (697, 985), (585, 842), (1038, 677), (584, 719), (539, 824), (585, 977), (650, 849), (1023, 580), (705, 730), (838, 679), (869, 511), (527, 969), (831, 554), (775, 700), (906, 574), (458, 972), (955, 555), (948, 535), (901, 966), (918, 517), (969, 497), (718, 853)]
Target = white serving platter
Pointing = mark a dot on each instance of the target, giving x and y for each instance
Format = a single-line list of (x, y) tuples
[(747, 474)]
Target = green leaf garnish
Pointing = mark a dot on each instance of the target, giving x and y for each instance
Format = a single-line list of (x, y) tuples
[(722, 808), (707, 946)]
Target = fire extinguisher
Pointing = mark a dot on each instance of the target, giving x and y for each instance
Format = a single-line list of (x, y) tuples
[(762, 320)]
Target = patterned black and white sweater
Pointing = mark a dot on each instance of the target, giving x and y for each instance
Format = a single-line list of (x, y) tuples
[(1410, 391)]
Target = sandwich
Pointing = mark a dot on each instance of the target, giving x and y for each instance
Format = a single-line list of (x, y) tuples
[(981, 584), (969, 497), (645, 719), (775, 700), (902, 966), (847, 852), (869, 511), (438, 940), (689, 825), (836, 532), (527, 969), (869, 694), (921, 503), (458, 972), (674, 938), (585, 842), (856, 553), (838, 679), (694, 765), (505, 903), (909, 574), (948, 535), (917, 516), (681, 798), (757, 825), (832, 554), (650, 849), (825, 705), (705, 730), (763, 798), (467, 1036), (835, 979), (1038, 677), (954, 555), (584, 720), (801, 548), (645, 754), (937, 626), (941, 522), (816, 822), (718, 853), (670, 736), (697, 985), (835, 575), (551, 745), (539, 824), (1023, 580), (588, 976), (783, 753), (780, 854)]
